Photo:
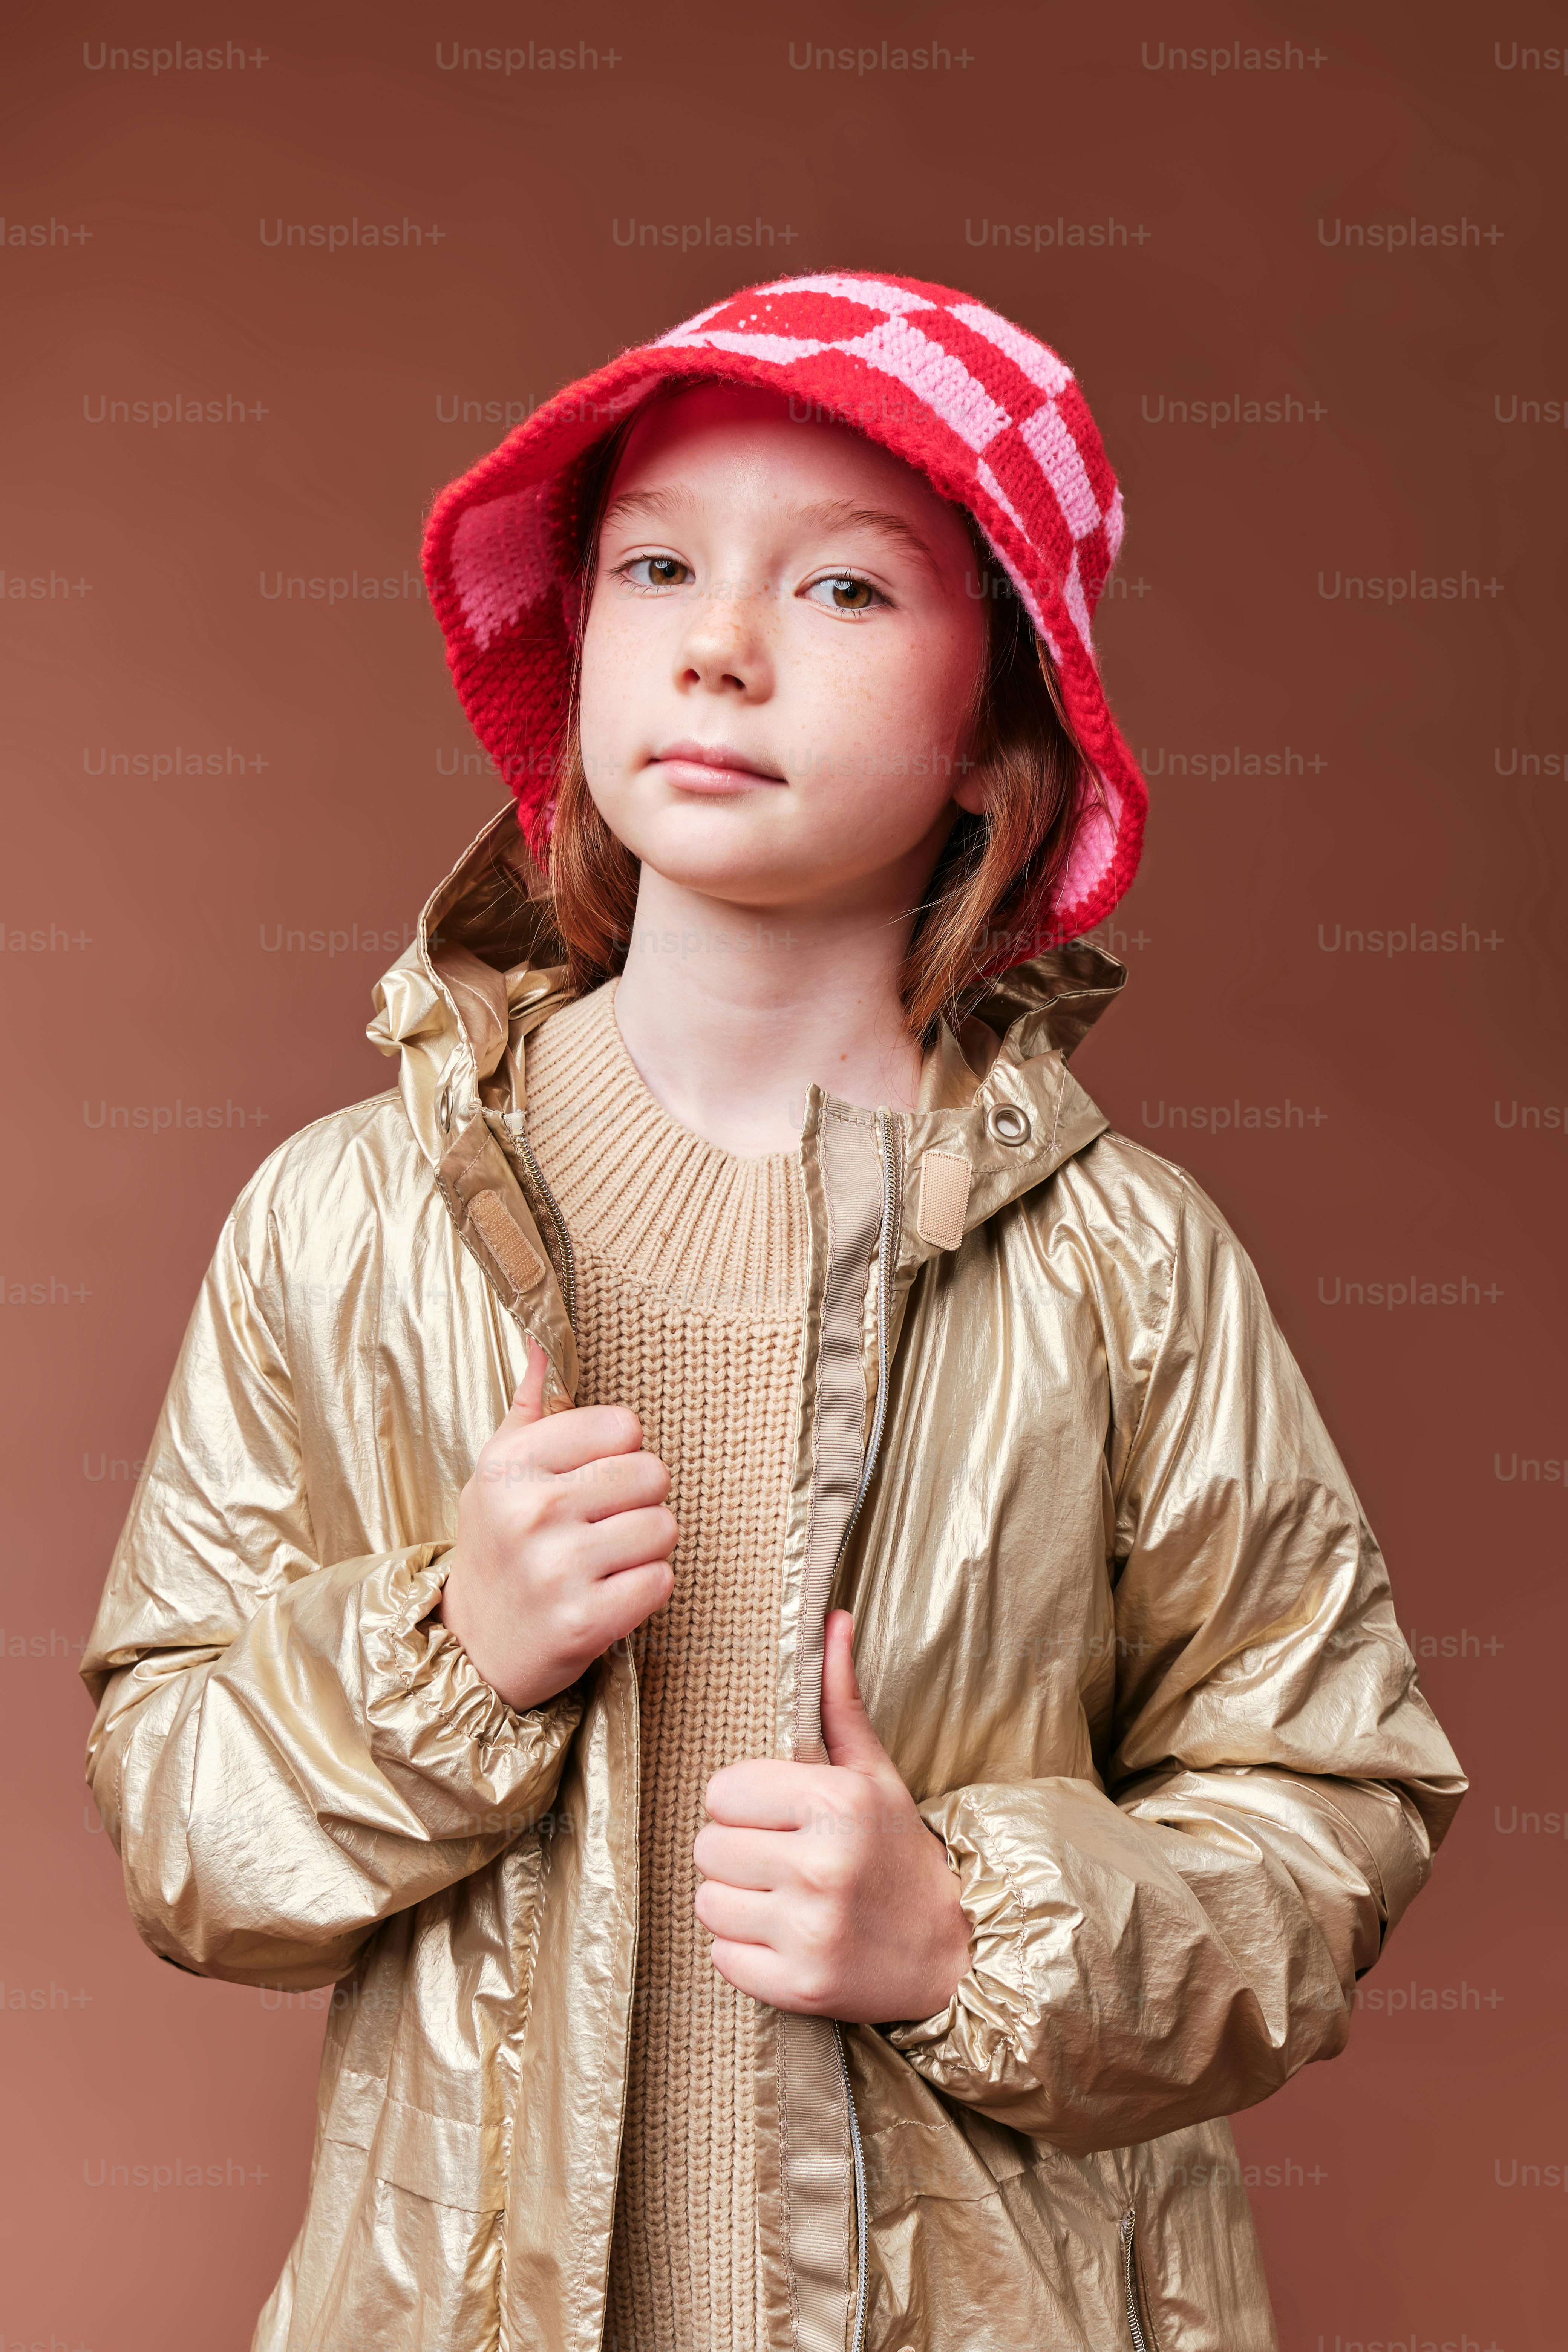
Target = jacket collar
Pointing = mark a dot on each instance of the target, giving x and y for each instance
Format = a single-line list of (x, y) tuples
[(485, 969)]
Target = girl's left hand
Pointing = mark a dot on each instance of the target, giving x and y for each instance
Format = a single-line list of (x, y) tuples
[(823, 1890)]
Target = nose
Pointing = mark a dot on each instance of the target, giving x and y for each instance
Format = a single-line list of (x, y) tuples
[(724, 643)]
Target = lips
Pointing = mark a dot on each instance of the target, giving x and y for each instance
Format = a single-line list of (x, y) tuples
[(711, 767)]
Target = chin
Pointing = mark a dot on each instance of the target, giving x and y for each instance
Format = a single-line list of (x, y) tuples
[(718, 859), (745, 882)]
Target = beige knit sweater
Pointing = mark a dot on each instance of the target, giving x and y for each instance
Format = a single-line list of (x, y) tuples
[(691, 1269)]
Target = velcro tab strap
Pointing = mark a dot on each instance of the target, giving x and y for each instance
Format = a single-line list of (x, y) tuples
[(521, 1263), (943, 1198)]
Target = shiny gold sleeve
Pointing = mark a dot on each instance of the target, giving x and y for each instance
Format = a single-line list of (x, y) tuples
[(284, 1753), (1171, 1941)]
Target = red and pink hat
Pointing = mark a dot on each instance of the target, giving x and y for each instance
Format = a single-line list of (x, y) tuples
[(992, 418)]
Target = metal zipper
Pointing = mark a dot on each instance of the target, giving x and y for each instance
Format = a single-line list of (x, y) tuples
[(568, 1263), (886, 1252), (1129, 2282), (857, 2153), (569, 1297)]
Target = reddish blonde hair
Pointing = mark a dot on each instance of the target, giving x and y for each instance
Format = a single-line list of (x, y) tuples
[(996, 872)]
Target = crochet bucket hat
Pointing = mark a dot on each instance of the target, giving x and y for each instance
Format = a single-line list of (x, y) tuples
[(993, 419)]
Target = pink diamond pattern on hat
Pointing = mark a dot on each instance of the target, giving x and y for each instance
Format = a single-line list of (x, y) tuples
[(993, 417), (499, 563)]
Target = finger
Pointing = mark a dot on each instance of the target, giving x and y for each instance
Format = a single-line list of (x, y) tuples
[(566, 1441), (616, 1483), (631, 1539), (629, 1600), (528, 1402), (846, 1732), (763, 1860), (766, 1793), (764, 1974), (738, 1917)]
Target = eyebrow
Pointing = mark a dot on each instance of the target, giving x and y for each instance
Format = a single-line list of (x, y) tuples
[(836, 514), (649, 502), (824, 514)]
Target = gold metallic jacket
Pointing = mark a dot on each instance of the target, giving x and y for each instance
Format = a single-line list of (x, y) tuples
[(1120, 1622)]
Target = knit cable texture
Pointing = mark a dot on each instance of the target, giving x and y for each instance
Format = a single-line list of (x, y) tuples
[(691, 1272)]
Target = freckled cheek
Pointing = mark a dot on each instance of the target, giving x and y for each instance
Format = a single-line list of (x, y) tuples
[(621, 664), (940, 683), (613, 641), (904, 699)]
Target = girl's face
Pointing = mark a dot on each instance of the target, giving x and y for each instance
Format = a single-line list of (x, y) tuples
[(779, 658)]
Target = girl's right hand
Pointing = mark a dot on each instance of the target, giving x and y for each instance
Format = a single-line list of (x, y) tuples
[(563, 1544)]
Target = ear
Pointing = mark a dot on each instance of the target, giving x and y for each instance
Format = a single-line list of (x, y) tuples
[(972, 787)]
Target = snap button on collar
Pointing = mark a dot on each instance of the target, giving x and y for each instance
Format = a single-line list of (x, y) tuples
[(1005, 1123)]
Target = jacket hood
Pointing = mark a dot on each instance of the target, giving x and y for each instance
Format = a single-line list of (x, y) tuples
[(992, 417), (486, 967)]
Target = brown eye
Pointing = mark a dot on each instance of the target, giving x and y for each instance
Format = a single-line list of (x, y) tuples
[(659, 571), (844, 592)]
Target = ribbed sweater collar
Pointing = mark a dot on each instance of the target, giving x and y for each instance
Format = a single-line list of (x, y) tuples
[(646, 1195)]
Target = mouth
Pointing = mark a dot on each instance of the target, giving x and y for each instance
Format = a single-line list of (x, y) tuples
[(712, 769)]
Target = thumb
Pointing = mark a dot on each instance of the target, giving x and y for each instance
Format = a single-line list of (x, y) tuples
[(846, 1732), (528, 1404)]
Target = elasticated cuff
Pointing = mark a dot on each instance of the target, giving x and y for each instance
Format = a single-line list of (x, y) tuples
[(430, 1712)]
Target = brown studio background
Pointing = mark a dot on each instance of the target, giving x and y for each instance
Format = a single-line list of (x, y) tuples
[(1421, 743)]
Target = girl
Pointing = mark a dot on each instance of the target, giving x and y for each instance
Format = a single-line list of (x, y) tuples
[(703, 1985)]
